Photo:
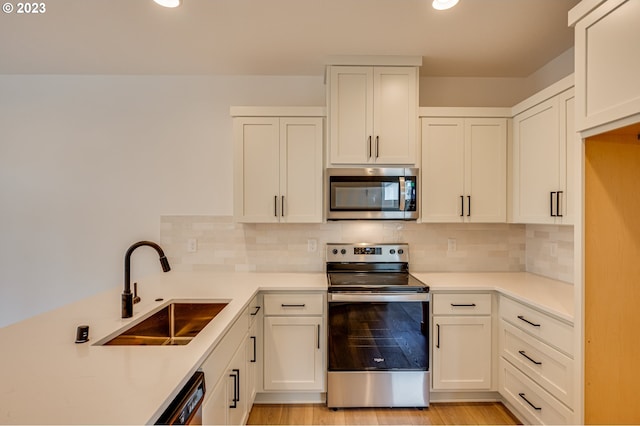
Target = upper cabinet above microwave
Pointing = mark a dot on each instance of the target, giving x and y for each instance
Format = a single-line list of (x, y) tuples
[(372, 115)]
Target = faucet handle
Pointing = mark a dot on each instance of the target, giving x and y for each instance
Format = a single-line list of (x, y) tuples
[(136, 298)]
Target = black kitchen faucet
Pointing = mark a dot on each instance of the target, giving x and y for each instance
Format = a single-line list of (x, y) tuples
[(128, 298)]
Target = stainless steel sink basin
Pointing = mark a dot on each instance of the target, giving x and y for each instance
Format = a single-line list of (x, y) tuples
[(175, 324)]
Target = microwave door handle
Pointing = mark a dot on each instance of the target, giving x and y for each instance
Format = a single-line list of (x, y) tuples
[(402, 193)]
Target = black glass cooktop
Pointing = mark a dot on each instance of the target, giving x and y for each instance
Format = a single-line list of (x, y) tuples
[(378, 281)]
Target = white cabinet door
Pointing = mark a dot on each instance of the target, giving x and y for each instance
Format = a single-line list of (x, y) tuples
[(251, 347), (216, 407), (351, 114), (462, 352), (293, 357), (228, 402), (373, 115), (257, 172), (442, 169), (607, 63), (536, 164), (395, 112), (543, 142), (572, 141), (301, 170), (237, 395), (486, 169), (278, 169), (464, 169)]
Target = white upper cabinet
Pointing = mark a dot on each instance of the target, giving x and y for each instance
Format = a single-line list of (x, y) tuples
[(543, 141), (464, 169), (278, 169), (607, 63), (372, 114)]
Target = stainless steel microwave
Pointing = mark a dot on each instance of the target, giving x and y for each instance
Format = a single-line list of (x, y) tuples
[(372, 193)]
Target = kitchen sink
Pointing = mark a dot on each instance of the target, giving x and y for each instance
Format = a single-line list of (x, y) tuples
[(175, 324)]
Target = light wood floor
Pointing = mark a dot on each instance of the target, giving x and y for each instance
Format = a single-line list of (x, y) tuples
[(477, 413)]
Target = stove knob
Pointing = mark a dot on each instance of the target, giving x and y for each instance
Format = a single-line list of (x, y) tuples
[(343, 251), (392, 251), (400, 251), (334, 251)]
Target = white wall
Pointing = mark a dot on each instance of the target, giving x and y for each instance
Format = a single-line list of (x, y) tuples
[(492, 92), (88, 164)]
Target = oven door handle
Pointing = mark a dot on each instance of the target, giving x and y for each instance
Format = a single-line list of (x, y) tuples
[(378, 297)]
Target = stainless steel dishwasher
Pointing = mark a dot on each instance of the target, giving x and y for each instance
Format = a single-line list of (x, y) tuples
[(186, 408)]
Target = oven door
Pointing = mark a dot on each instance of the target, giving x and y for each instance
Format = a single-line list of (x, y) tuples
[(378, 332)]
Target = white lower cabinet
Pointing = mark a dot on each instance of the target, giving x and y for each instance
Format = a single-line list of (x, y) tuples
[(536, 368), (462, 341), (230, 373), (530, 399), (294, 342)]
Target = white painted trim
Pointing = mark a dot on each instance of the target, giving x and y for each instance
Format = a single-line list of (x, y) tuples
[(296, 397), (547, 93), (467, 112), (374, 60), (606, 127), (464, 396), (277, 111), (581, 10)]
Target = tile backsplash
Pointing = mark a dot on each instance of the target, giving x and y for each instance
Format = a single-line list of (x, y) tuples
[(223, 245), (550, 251)]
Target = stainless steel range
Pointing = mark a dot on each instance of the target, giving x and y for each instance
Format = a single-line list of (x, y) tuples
[(378, 328)]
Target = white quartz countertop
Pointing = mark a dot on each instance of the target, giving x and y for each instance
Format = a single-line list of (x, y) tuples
[(46, 378), (552, 296)]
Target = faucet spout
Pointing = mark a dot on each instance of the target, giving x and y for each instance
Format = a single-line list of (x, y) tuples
[(127, 296)]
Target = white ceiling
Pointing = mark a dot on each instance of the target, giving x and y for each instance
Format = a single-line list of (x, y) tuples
[(480, 38)]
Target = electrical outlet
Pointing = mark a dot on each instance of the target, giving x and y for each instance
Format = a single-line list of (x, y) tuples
[(312, 245), (192, 245), (451, 244)]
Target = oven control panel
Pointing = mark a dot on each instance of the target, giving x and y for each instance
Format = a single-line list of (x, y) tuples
[(361, 252)]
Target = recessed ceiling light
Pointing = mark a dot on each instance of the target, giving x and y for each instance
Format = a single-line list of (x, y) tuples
[(168, 3), (443, 4)]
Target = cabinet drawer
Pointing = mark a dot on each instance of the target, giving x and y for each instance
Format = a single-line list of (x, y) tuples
[(528, 398), (294, 304), (550, 330), (461, 304), (548, 367)]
